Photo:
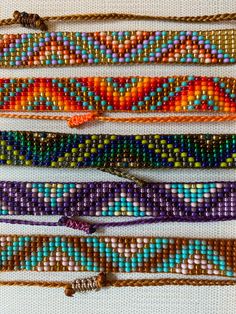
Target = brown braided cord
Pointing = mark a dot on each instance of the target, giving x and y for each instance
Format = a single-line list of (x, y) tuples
[(170, 282), (35, 21), (102, 282), (43, 284)]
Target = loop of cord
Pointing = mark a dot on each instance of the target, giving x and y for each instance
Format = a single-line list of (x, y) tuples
[(32, 20), (98, 282), (77, 121)]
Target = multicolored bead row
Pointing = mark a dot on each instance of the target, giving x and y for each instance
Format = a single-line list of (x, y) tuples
[(207, 200), (118, 254), (139, 94), (25, 148), (124, 47)]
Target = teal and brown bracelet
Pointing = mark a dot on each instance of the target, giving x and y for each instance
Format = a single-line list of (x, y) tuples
[(212, 257)]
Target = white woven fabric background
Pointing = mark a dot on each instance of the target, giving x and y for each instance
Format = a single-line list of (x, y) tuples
[(162, 300)]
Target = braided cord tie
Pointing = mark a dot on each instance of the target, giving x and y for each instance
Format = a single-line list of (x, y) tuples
[(35, 21), (77, 121), (100, 281), (90, 228)]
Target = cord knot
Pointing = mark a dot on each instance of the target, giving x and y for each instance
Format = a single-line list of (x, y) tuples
[(30, 20), (76, 121), (77, 224), (86, 284)]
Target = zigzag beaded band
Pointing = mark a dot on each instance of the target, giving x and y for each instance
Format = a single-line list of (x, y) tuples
[(25, 148), (118, 254), (138, 94), (124, 47), (206, 200)]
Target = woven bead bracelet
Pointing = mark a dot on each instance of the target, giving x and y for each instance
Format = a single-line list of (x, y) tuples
[(215, 257), (124, 47), (25, 148), (163, 202), (113, 199), (100, 281), (111, 94)]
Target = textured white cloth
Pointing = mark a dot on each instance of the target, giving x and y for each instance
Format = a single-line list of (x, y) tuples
[(178, 300)]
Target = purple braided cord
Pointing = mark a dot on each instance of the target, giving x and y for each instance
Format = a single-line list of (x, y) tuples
[(90, 228), (28, 222), (159, 220)]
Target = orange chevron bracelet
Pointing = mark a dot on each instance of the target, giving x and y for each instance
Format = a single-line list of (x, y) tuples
[(111, 94)]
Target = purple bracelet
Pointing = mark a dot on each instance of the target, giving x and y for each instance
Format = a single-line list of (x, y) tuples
[(154, 202)]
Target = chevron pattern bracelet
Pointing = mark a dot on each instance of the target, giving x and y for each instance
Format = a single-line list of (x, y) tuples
[(25, 148), (134, 94), (118, 254), (196, 201), (124, 47)]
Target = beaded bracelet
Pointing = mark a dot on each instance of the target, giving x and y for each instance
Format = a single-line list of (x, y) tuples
[(124, 47), (118, 254), (25, 148), (163, 202), (136, 94), (100, 281), (113, 199)]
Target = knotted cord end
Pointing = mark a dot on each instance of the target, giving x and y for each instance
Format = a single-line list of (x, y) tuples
[(86, 284), (30, 20), (77, 224), (76, 121)]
